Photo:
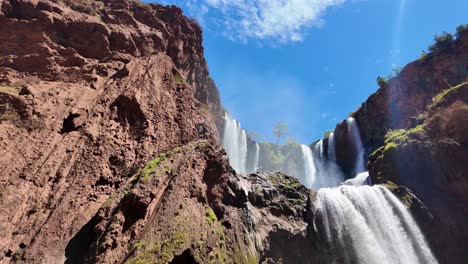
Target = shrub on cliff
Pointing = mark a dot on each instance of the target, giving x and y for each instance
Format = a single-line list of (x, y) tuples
[(442, 42), (461, 29)]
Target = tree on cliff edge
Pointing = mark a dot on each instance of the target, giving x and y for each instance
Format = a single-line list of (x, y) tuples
[(280, 130)]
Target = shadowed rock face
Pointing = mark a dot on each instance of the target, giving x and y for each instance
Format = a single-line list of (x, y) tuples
[(430, 159)]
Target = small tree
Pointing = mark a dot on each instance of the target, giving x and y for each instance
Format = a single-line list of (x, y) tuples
[(461, 29), (442, 42), (254, 135), (280, 130)]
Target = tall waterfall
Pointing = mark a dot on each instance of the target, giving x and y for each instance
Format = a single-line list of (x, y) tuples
[(256, 157), (309, 166), (331, 147), (235, 143), (368, 224), (353, 131), (318, 171), (327, 172)]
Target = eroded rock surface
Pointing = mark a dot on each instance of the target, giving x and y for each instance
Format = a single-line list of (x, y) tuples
[(110, 147)]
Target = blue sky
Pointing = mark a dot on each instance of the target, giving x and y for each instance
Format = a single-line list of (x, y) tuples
[(309, 63)]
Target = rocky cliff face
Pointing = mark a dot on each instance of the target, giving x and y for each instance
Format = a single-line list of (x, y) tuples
[(414, 131), (399, 100), (430, 159), (110, 147)]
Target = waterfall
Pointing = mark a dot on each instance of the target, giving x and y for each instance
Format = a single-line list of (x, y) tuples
[(368, 224), (353, 131), (256, 157), (331, 147), (235, 144), (309, 166), (327, 173), (319, 149), (360, 179)]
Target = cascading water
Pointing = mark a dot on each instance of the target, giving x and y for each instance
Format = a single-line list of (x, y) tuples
[(327, 173), (353, 131), (256, 157), (331, 147), (309, 166), (235, 144), (368, 224)]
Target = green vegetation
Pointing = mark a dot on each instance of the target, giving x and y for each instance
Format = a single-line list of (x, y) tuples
[(178, 78), (381, 81), (438, 98), (8, 89), (281, 180), (81, 7), (423, 55), (254, 135), (18, 256), (245, 256), (150, 167), (274, 152), (401, 135), (163, 252), (210, 215), (280, 130), (461, 29), (442, 42), (327, 133)]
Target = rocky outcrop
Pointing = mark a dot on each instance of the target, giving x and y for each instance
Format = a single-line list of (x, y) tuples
[(189, 204), (90, 91), (401, 99), (87, 40), (430, 159), (110, 147)]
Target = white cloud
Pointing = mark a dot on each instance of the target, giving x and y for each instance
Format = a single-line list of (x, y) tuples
[(280, 21)]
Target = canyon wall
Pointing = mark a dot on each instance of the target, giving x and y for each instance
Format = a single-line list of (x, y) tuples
[(110, 146)]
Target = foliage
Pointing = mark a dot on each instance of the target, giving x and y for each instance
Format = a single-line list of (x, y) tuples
[(8, 89), (210, 215), (381, 81), (81, 7), (245, 256), (274, 152), (397, 70), (423, 55), (18, 256), (280, 130), (327, 133), (461, 29), (279, 179), (439, 97), (178, 78), (399, 135), (442, 42), (254, 135), (150, 167)]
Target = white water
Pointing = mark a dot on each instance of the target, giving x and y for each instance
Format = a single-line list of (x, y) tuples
[(235, 144), (256, 157), (309, 166), (331, 147), (360, 179), (353, 131), (369, 225), (318, 171)]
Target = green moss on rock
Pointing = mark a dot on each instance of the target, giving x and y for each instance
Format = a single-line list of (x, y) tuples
[(442, 96)]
